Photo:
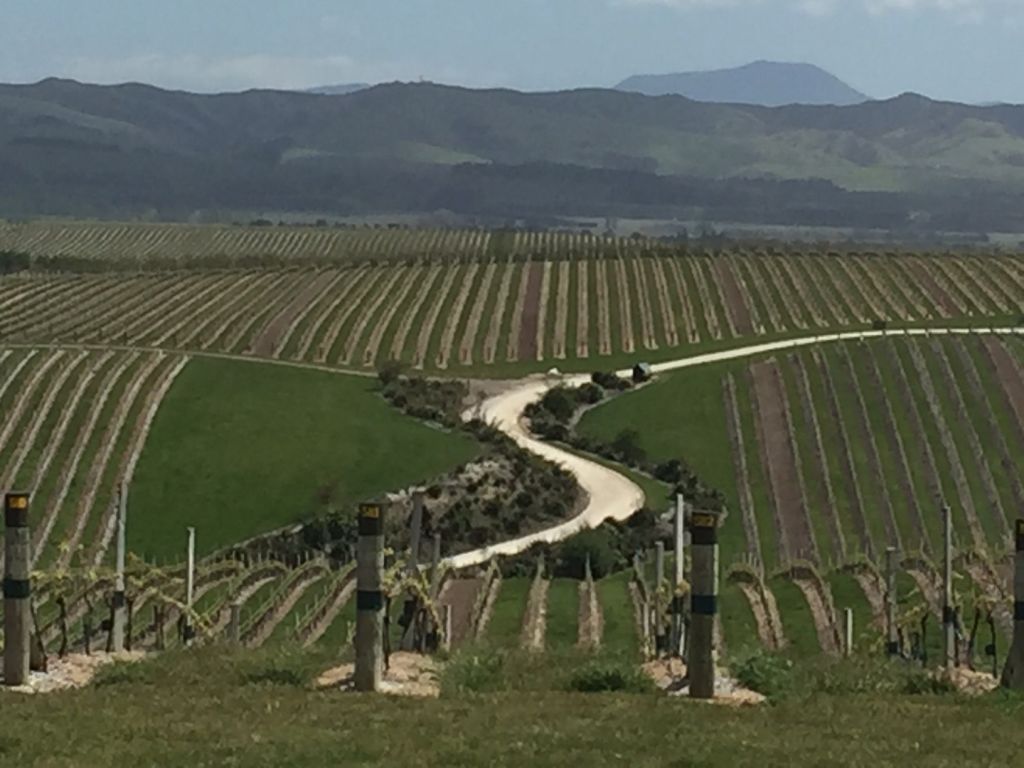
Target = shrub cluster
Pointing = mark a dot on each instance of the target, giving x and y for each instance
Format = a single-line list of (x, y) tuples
[(439, 401), (609, 547)]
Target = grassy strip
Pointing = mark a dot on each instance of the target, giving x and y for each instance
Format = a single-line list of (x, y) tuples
[(890, 465), (335, 639), (866, 475), (505, 628), (563, 610), (797, 622), (739, 628), (966, 457), (620, 632), (847, 594)]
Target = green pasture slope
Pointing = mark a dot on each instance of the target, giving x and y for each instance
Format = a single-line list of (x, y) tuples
[(238, 449), (683, 415)]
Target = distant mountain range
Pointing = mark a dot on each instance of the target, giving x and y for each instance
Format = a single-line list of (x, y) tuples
[(70, 148), (767, 83)]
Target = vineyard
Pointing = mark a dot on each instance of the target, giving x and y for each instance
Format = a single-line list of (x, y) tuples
[(829, 455), (196, 369), (74, 424), (460, 301)]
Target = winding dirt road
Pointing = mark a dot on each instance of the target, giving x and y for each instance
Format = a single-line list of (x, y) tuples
[(611, 496)]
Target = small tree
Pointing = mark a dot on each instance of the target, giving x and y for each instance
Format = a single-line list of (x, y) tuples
[(560, 404), (626, 446), (390, 371)]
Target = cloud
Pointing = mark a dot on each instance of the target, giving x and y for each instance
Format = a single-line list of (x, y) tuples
[(970, 10)]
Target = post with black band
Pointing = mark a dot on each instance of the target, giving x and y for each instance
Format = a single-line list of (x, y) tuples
[(17, 590), (370, 599), (703, 604), (1013, 672), (892, 643), (119, 614), (948, 617)]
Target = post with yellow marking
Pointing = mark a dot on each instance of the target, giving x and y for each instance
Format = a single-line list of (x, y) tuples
[(703, 604), (17, 590), (1013, 672), (370, 599)]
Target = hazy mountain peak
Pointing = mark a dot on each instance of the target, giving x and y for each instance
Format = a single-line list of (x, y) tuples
[(766, 83)]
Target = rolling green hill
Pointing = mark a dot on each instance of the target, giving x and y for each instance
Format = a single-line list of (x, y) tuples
[(403, 147), (240, 449)]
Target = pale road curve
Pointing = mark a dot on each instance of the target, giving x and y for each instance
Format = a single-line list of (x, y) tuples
[(610, 495)]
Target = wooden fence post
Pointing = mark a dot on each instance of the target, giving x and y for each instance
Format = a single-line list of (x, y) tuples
[(17, 589), (370, 599), (703, 604)]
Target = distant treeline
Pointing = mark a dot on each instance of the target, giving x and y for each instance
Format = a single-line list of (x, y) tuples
[(501, 192)]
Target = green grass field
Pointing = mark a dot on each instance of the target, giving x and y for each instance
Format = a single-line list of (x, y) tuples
[(239, 449), (215, 707)]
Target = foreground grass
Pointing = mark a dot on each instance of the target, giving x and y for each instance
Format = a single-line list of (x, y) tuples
[(214, 708), (239, 449)]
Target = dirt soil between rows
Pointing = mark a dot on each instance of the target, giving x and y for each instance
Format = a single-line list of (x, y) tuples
[(778, 455), (935, 290), (73, 671), (531, 313), (734, 297), (461, 595)]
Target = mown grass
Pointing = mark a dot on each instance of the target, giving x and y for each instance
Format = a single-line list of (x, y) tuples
[(620, 632), (239, 449), (847, 594), (738, 625), (215, 707), (336, 638), (562, 630), (797, 622)]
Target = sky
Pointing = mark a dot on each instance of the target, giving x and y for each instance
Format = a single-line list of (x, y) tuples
[(963, 50)]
